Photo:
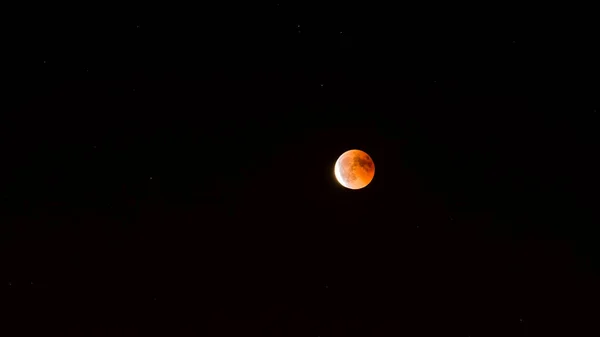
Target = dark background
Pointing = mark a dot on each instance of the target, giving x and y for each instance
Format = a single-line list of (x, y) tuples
[(169, 172)]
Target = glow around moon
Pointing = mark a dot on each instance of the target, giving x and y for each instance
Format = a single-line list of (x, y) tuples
[(354, 169)]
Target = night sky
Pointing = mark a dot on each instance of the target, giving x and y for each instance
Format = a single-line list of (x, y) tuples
[(169, 172)]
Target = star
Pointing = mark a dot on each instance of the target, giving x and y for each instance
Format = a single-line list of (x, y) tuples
[(321, 85), (150, 178), (138, 26), (44, 61)]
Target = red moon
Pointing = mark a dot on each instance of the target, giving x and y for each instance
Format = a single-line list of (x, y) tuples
[(354, 169)]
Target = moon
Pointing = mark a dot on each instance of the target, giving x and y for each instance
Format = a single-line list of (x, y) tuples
[(354, 169)]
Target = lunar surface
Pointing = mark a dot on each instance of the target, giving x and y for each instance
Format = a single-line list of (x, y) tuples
[(354, 169)]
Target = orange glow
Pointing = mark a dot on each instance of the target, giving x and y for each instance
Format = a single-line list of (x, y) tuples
[(354, 169)]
